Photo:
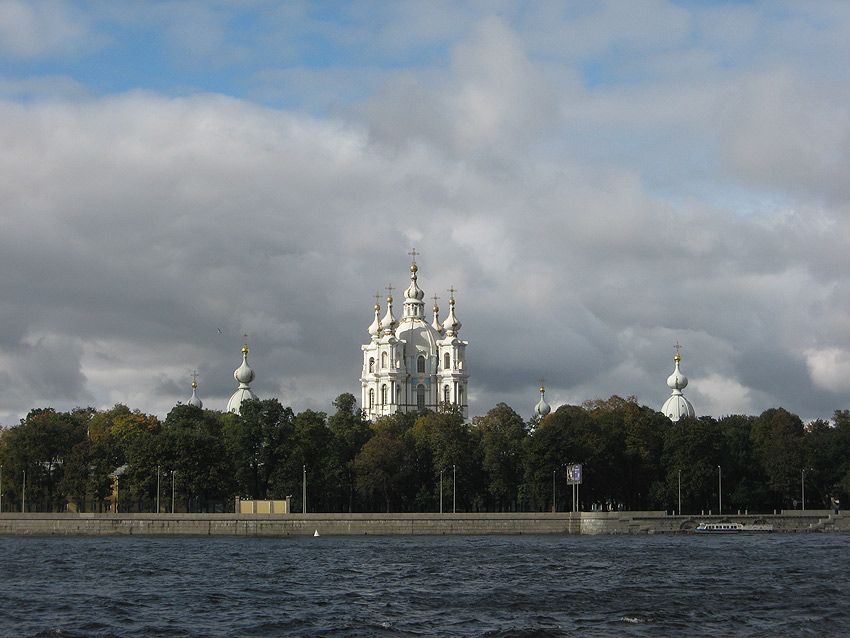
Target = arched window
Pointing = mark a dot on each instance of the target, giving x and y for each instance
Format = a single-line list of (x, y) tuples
[(384, 394), (447, 394), (420, 364), (460, 395), (447, 361), (420, 397), (384, 360), (371, 364), (371, 398)]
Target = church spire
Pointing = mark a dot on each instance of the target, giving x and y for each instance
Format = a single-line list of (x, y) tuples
[(194, 400), (244, 375), (375, 328), (677, 406), (389, 323), (436, 323), (451, 325), (542, 408)]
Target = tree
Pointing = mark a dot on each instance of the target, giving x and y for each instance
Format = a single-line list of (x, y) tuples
[(693, 447), (350, 431), (502, 433), (259, 441), (777, 437)]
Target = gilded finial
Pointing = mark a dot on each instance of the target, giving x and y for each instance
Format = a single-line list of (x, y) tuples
[(542, 385), (194, 379), (436, 309), (677, 358), (377, 300), (390, 293), (452, 292), (245, 347)]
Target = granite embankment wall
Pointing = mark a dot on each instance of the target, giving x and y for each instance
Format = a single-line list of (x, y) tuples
[(395, 524)]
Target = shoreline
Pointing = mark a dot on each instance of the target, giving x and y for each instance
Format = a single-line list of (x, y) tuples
[(585, 523)]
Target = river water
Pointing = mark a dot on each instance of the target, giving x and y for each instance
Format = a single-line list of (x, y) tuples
[(498, 586)]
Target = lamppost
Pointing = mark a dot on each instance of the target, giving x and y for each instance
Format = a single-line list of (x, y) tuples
[(24, 493), (553, 491), (157, 489), (441, 491), (803, 490), (1, 489), (719, 492), (304, 491), (454, 489), (173, 472), (680, 492)]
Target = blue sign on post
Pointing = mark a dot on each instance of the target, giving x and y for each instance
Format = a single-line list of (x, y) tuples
[(574, 474)]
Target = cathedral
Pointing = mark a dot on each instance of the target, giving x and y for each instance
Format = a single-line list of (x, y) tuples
[(409, 364)]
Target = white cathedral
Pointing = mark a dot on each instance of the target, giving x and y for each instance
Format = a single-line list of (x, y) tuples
[(410, 364)]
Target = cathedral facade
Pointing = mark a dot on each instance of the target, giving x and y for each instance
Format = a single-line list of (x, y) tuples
[(411, 365)]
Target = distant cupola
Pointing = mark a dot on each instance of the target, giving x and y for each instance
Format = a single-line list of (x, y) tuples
[(452, 325), (194, 400), (436, 323), (244, 375), (389, 323), (542, 408), (677, 406), (375, 328)]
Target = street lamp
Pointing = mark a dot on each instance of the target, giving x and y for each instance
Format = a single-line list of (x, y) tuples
[(24, 493), (157, 489), (454, 489), (803, 490), (441, 491), (553, 491), (719, 492), (173, 472), (680, 492), (1, 489), (304, 491)]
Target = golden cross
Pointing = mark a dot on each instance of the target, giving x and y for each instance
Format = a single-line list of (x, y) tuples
[(390, 291), (452, 292), (413, 254)]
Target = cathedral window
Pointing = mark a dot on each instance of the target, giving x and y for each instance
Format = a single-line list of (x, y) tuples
[(371, 364), (460, 395), (447, 361), (384, 394), (420, 397), (371, 398), (384, 360), (420, 364), (447, 395)]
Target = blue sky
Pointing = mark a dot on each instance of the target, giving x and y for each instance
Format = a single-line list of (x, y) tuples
[(598, 179)]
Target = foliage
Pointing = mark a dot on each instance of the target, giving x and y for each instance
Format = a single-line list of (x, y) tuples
[(632, 456)]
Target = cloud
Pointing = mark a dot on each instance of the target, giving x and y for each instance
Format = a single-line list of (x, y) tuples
[(34, 30), (594, 193)]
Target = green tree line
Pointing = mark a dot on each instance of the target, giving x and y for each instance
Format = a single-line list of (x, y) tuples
[(633, 458)]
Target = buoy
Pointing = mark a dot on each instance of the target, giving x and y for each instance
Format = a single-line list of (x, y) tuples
[(316, 533)]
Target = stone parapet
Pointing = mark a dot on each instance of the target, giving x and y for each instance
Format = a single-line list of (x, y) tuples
[(397, 524)]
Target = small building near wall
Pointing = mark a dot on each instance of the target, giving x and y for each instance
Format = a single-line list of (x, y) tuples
[(263, 507)]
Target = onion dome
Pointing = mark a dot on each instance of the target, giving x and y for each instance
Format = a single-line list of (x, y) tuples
[(542, 408), (677, 406), (389, 323), (451, 325), (194, 400), (375, 328), (436, 323), (244, 375)]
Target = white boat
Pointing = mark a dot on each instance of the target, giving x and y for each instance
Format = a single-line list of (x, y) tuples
[(732, 528)]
